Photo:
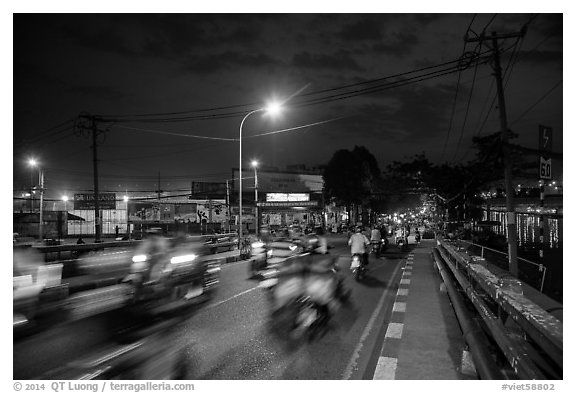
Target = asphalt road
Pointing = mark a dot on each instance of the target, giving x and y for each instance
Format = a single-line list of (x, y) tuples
[(230, 336)]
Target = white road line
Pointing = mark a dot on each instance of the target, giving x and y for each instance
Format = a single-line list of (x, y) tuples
[(402, 292), (356, 354), (405, 281), (394, 330), (227, 300), (399, 307), (386, 368)]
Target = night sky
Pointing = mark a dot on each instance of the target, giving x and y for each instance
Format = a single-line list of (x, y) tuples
[(164, 84)]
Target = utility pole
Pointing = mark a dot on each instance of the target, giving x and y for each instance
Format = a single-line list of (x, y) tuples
[(158, 194), (228, 203), (97, 223), (504, 137)]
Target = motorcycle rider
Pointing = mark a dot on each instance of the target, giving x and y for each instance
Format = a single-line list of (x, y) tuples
[(358, 243), (155, 248), (375, 239)]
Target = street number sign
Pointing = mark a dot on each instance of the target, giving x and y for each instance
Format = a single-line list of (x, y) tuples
[(545, 168)]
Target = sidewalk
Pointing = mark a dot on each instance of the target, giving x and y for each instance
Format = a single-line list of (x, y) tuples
[(423, 339)]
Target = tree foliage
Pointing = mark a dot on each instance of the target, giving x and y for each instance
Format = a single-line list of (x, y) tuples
[(352, 177)]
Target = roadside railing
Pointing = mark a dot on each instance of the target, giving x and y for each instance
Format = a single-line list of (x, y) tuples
[(530, 272), (527, 335)]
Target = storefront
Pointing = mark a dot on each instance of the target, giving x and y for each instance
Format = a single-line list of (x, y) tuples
[(284, 199)]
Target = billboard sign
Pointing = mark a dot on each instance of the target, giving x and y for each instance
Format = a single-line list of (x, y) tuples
[(287, 197), (106, 201), (161, 212), (279, 182)]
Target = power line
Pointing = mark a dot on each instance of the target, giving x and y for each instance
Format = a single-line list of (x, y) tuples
[(538, 101), (467, 110), (457, 89), (313, 99)]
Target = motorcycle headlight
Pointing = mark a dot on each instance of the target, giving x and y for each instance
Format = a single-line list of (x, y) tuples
[(257, 244), (139, 258), (182, 258), (292, 247)]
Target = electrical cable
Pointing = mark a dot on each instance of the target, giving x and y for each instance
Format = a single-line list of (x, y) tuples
[(537, 102), (456, 90), (466, 113)]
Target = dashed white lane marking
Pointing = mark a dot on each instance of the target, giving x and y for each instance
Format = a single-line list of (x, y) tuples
[(402, 292), (387, 365), (356, 354), (386, 368), (394, 330)]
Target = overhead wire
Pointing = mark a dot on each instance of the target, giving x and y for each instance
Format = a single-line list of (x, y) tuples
[(546, 94), (453, 111), (466, 113)]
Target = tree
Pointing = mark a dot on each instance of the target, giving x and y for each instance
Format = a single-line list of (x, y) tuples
[(351, 178)]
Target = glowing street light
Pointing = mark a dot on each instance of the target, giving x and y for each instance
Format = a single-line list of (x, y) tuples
[(65, 199), (272, 108)]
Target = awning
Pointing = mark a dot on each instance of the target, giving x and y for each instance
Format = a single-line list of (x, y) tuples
[(74, 217)]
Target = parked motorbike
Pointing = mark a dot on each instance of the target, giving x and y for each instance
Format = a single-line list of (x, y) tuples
[(358, 268)]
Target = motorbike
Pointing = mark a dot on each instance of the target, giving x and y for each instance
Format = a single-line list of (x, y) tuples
[(302, 300), (149, 351), (358, 268), (377, 247), (402, 243), (184, 274), (38, 292)]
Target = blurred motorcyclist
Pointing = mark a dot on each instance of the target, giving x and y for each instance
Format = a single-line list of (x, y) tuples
[(376, 240), (358, 243), (153, 251)]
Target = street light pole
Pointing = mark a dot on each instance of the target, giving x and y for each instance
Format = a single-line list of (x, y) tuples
[(240, 175), (41, 220), (255, 166), (274, 107)]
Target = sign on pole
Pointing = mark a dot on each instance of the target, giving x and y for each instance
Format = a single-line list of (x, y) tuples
[(545, 138), (545, 146), (545, 168)]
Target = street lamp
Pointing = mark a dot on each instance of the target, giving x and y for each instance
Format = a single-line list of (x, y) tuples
[(33, 163), (255, 166), (65, 199), (272, 109)]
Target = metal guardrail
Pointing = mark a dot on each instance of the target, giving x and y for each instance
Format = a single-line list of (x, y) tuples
[(485, 251), (529, 337), (213, 241)]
